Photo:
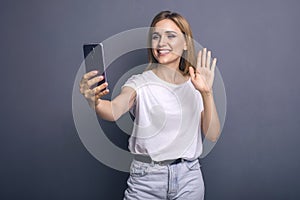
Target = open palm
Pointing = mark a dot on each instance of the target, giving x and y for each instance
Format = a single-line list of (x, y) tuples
[(203, 77)]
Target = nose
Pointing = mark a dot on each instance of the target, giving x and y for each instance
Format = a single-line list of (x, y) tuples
[(162, 41)]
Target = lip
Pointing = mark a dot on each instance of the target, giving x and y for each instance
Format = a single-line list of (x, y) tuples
[(162, 52)]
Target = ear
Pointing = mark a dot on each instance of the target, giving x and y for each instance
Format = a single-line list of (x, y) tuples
[(185, 46)]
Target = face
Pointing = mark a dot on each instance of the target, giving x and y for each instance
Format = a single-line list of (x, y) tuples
[(168, 42)]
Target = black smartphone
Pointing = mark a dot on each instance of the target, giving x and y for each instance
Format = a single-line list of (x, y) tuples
[(94, 60)]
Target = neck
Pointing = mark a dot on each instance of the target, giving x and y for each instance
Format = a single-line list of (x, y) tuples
[(170, 74)]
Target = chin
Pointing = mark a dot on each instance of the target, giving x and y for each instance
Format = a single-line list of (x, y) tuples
[(166, 61)]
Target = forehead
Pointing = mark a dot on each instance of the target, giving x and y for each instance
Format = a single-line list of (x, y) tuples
[(166, 25)]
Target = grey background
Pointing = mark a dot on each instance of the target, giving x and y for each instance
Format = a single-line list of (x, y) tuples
[(257, 45)]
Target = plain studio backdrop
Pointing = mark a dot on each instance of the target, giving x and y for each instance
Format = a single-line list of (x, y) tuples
[(257, 46)]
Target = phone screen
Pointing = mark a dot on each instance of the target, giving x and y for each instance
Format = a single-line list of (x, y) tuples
[(94, 59)]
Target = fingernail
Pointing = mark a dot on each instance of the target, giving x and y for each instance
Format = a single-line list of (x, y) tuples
[(95, 72)]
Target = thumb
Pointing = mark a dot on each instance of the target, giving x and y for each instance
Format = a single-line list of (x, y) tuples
[(192, 72)]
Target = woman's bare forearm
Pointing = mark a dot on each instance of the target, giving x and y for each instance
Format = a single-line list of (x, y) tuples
[(113, 110), (210, 121), (104, 110)]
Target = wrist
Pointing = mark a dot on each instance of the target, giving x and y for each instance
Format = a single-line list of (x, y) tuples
[(97, 103), (94, 103), (207, 93)]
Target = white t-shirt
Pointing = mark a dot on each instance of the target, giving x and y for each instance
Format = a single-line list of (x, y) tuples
[(167, 121)]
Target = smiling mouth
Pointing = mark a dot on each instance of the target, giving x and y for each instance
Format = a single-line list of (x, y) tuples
[(162, 52)]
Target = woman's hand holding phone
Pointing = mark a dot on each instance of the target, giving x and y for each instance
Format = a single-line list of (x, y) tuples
[(90, 89)]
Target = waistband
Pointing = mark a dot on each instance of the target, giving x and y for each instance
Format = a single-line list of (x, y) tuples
[(147, 159)]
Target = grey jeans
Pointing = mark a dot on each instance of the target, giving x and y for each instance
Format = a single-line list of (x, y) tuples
[(148, 181)]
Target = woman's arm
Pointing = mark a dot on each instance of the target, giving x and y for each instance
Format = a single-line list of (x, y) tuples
[(108, 110), (210, 123), (113, 110), (202, 78)]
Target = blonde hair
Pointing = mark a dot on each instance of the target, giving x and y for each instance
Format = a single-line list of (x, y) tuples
[(188, 57)]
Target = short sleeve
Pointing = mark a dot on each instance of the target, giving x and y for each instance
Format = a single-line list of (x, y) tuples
[(132, 82)]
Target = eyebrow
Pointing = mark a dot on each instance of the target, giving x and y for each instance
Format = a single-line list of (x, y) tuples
[(166, 32)]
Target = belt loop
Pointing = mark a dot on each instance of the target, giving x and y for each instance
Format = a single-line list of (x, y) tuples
[(152, 163)]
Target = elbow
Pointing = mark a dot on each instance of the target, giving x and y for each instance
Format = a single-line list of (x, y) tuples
[(110, 118), (213, 139), (213, 135)]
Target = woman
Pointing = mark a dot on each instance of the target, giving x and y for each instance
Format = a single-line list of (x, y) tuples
[(173, 103)]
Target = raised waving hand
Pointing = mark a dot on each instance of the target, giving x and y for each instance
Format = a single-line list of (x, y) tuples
[(203, 77)]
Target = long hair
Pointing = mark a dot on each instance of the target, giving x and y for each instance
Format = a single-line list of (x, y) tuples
[(188, 57)]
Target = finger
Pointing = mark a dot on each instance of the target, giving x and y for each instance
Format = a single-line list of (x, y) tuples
[(82, 81), (203, 63), (208, 59), (95, 80), (199, 60), (192, 72), (83, 87), (81, 90), (99, 88), (214, 63), (103, 93), (88, 94), (90, 74), (86, 77)]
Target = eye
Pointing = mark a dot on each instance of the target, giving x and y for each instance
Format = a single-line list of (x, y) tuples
[(155, 37), (171, 36)]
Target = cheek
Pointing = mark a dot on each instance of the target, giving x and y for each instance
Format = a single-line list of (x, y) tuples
[(154, 46), (177, 44), (178, 48), (154, 53), (154, 43)]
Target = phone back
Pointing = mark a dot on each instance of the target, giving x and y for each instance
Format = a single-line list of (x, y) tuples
[(94, 57)]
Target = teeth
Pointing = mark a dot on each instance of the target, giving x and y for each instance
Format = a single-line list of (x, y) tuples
[(163, 51)]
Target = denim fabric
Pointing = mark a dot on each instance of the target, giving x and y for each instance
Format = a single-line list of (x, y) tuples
[(148, 181)]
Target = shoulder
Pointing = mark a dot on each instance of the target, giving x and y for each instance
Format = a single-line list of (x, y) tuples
[(146, 75), (138, 79)]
